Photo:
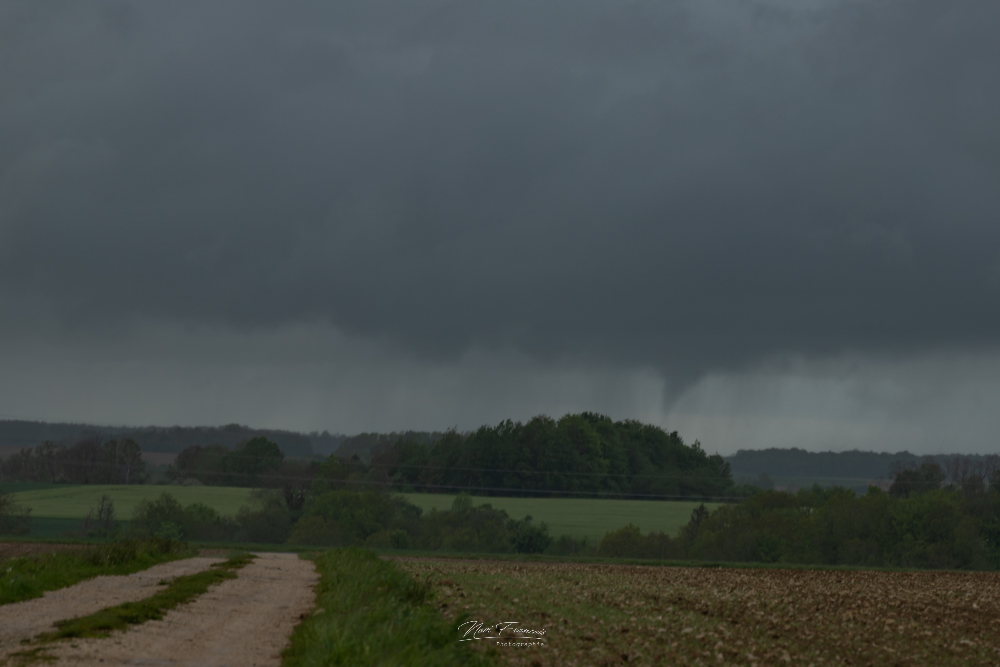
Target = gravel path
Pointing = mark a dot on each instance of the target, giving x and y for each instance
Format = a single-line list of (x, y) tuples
[(242, 622), (24, 620)]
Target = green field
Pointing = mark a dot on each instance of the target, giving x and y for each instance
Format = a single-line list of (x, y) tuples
[(61, 505), (66, 501), (581, 517)]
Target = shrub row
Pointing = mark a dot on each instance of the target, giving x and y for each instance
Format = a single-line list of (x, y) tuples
[(947, 528), (345, 518)]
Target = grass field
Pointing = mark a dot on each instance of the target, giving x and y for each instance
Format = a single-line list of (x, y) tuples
[(646, 615), (74, 501), (56, 507), (581, 517)]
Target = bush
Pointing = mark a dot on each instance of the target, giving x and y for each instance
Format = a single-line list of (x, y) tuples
[(349, 517), (266, 519), (479, 529), (629, 542), (626, 542), (315, 531), (165, 518), (529, 538)]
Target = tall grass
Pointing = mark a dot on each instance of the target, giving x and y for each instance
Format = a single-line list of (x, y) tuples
[(29, 577), (370, 612)]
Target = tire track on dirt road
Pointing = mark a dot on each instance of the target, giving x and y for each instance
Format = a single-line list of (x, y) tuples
[(242, 622), (24, 620)]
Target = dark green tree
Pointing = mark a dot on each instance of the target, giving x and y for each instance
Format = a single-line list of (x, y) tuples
[(927, 477)]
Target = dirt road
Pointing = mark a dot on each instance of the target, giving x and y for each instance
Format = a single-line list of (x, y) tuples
[(242, 622), (24, 620)]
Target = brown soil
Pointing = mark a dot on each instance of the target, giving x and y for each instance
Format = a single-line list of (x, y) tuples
[(24, 620), (242, 622), (603, 614)]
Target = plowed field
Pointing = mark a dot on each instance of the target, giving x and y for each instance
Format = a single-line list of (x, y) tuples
[(615, 614)]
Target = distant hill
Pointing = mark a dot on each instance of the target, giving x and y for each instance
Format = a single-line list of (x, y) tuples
[(853, 464), (800, 463), (173, 439)]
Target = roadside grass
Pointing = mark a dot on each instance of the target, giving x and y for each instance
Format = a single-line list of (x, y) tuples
[(29, 577), (179, 591), (370, 612)]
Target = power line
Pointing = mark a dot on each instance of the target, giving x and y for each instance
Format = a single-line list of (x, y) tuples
[(267, 476), (387, 466), (556, 473)]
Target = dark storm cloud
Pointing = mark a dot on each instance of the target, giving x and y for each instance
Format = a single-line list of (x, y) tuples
[(694, 186)]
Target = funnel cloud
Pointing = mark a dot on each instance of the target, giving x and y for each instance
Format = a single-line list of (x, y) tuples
[(765, 223)]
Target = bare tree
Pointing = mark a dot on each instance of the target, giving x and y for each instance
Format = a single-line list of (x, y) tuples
[(104, 521), (14, 518)]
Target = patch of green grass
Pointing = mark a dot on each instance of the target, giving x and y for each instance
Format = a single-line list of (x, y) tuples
[(581, 517), (48, 528), (179, 591), (73, 502), (372, 613), (20, 487), (29, 577)]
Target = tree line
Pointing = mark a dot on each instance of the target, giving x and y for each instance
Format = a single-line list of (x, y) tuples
[(89, 461), (917, 523), (173, 439), (339, 517)]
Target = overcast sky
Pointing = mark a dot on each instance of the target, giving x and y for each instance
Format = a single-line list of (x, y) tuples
[(757, 222)]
